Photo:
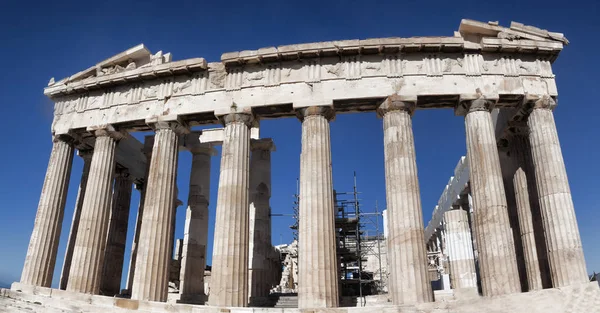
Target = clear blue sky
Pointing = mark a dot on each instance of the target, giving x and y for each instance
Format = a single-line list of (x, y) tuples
[(58, 38)]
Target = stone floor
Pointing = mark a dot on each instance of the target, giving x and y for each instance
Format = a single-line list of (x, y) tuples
[(575, 299)]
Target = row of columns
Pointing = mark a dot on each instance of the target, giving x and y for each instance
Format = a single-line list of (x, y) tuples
[(523, 219), (318, 281)]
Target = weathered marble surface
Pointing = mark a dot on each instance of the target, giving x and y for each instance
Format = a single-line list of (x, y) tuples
[(582, 298), (438, 69)]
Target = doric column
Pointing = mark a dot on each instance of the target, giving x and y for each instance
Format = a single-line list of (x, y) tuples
[(229, 277), (43, 245), (90, 244), (317, 258), (495, 243), (565, 253), (460, 250), (151, 279), (260, 220), (86, 155), (141, 187), (406, 242), (117, 235), (195, 239), (520, 150)]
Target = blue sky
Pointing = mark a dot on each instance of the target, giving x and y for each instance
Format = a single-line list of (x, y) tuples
[(58, 38)]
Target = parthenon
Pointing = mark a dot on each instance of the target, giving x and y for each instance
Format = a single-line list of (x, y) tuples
[(504, 230)]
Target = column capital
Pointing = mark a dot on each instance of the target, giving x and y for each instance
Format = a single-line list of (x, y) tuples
[(66, 138), (123, 172), (265, 144), (475, 102), (545, 102), (242, 117), (106, 130), (325, 111), (85, 154), (397, 103), (172, 122)]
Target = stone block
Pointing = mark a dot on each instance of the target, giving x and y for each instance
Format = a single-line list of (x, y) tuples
[(73, 296), (103, 301), (127, 304)]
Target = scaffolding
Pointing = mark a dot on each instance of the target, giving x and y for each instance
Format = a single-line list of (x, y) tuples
[(358, 237)]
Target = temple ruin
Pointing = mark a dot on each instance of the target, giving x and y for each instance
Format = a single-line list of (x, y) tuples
[(503, 237)]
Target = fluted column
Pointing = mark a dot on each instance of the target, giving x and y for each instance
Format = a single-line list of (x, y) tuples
[(565, 252), (43, 245), (317, 258), (520, 150), (141, 187), (117, 235), (195, 239), (86, 155), (151, 279), (498, 265), (406, 243), (460, 250), (260, 220), (90, 244), (229, 277)]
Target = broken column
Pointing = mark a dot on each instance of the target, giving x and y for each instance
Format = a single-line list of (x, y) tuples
[(260, 221), (565, 252), (460, 250), (151, 279), (193, 262), (406, 244), (43, 245), (229, 277), (117, 235), (317, 259), (498, 265), (88, 255)]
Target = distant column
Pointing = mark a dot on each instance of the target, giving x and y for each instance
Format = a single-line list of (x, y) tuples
[(43, 245), (460, 250), (495, 242), (317, 258), (195, 239), (141, 187), (117, 235), (260, 220), (229, 278), (520, 151), (565, 252), (86, 155), (406, 242), (151, 279), (90, 244)]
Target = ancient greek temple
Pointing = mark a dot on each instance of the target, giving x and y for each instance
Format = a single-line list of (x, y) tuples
[(505, 224)]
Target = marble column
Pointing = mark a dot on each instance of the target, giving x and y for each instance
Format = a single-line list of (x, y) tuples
[(229, 277), (460, 250), (86, 155), (117, 235), (195, 239), (260, 220), (497, 261), (141, 187), (565, 252), (90, 244), (520, 150), (406, 243), (43, 245), (151, 279), (317, 258)]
